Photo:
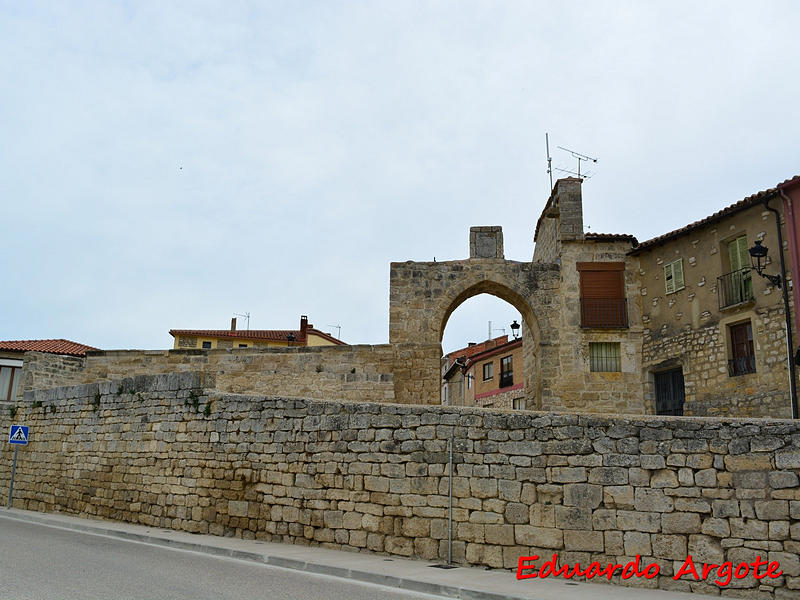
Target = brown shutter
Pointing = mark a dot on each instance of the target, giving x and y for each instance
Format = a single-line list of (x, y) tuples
[(602, 280)]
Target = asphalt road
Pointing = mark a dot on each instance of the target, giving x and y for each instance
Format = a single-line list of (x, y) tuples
[(38, 562)]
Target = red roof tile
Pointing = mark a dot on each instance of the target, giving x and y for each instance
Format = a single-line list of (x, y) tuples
[(743, 204), (271, 335), (50, 346), (611, 237)]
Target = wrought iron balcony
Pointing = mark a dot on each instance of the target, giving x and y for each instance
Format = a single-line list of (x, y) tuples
[(604, 313), (742, 365), (735, 288)]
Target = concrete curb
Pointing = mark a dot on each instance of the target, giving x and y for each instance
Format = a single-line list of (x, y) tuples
[(403, 583)]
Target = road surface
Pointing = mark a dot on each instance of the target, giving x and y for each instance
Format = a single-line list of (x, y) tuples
[(39, 562)]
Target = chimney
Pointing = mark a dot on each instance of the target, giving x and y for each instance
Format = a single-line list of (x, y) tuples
[(304, 326), (233, 324)]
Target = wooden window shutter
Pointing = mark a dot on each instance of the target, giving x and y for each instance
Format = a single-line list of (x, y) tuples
[(602, 280), (738, 253), (673, 276)]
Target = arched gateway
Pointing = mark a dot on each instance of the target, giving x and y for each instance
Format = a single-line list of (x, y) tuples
[(560, 337), (423, 295)]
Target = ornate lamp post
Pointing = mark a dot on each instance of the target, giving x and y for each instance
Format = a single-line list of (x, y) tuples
[(758, 258), (290, 339), (515, 329)]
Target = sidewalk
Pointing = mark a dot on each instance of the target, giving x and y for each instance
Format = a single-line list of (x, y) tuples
[(471, 583)]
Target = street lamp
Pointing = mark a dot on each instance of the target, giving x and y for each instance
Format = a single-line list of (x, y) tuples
[(515, 329), (758, 258), (289, 339)]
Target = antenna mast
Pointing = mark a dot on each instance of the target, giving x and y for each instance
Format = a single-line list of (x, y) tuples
[(549, 160), (246, 316)]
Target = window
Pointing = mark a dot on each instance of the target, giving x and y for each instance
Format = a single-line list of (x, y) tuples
[(9, 381), (488, 371), (506, 372), (206, 344), (242, 345), (604, 357), (743, 359), (736, 286), (673, 276), (603, 303), (518, 403)]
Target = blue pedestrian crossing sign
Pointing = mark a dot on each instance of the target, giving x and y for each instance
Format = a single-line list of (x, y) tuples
[(18, 434)]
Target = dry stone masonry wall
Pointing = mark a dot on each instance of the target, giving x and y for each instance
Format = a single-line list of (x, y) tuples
[(167, 451)]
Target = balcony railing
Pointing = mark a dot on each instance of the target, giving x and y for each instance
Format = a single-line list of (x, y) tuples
[(604, 313), (735, 288), (742, 365), (506, 379)]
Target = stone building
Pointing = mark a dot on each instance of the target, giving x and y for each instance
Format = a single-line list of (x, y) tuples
[(49, 359), (713, 339), (483, 375)]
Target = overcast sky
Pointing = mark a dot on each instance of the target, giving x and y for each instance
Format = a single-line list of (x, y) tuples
[(168, 164)]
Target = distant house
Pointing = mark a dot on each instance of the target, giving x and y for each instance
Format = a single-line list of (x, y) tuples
[(210, 339), (483, 375), (13, 356)]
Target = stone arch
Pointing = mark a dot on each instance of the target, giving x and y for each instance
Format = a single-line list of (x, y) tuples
[(499, 290), (424, 295), (530, 330)]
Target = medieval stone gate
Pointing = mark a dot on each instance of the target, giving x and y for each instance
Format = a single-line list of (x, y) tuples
[(423, 295)]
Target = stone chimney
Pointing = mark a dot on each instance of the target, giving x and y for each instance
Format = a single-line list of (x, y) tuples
[(567, 201), (233, 324)]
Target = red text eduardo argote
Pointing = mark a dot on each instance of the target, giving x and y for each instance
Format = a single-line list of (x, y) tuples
[(720, 574)]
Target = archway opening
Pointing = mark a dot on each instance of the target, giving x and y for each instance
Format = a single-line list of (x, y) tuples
[(486, 362)]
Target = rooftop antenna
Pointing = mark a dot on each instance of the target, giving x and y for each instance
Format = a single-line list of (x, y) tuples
[(246, 316), (549, 160), (580, 157), (338, 331)]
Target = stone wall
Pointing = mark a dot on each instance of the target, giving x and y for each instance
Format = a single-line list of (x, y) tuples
[(166, 452), (335, 372), (41, 370)]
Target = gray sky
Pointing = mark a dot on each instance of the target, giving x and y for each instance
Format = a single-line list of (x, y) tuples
[(165, 165)]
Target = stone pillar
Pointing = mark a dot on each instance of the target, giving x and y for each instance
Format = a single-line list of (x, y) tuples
[(486, 242)]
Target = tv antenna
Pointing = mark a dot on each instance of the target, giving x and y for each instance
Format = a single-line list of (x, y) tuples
[(338, 331), (549, 161), (580, 157), (246, 316)]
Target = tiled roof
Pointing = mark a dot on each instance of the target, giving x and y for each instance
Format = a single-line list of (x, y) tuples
[(271, 335), (743, 204), (611, 237), (477, 348), (50, 346)]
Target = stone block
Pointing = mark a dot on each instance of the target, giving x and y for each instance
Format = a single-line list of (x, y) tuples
[(584, 495), (584, 541), (618, 496), (628, 520), (769, 510), (680, 523), (542, 537), (665, 478), (637, 542), (648, 500), (573, 517), (672, 547), (502, 535)]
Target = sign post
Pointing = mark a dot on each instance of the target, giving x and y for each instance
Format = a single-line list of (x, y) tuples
[(18, 436)]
